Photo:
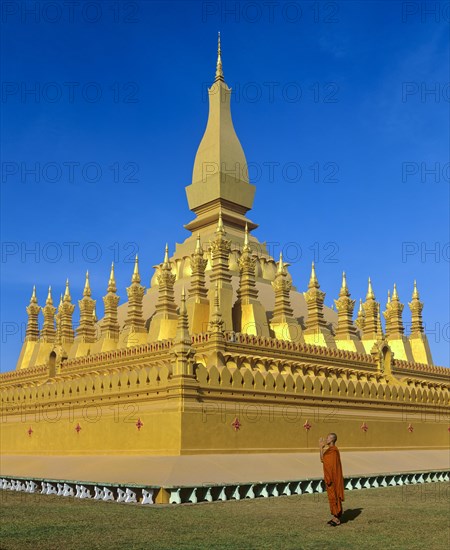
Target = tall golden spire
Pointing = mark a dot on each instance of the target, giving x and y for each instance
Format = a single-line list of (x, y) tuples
[(416, 307), (48, 332), (371, 318), (134, 327), (370, 294), (415, 294), (283, 323), (136, 278), (182, 343), (313, 282), (87, 287), (33, 309), (219, 71), (86, 328), (216, 321), (110, 326), (280, 267), (66, 312), (360, 318), (344, 289), (164, 323), (198, 291), (67, 296), (112, 281), (317, 332), (346, 336), (220, 230), (220, 175), (394, 328)]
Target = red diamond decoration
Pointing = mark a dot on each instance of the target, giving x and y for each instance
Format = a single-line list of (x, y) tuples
[(236, 424), (78, 428), (139, 424), (410, 428), (307, 426), (29, 431), (364, 427)]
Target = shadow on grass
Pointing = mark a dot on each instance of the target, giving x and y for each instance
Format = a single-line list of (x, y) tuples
[(350, 515)]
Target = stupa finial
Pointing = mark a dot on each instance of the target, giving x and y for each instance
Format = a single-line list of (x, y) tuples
[(49, 300), (220, 228), (370, 294), (344, 288), (33, 299), (246, 244), (166, 255), (280, 263), (136, 278), (112, 280), (67, 296), (394, 293), (87, 287), (198, 245), (415, 293), (219, 70), (313, 282)]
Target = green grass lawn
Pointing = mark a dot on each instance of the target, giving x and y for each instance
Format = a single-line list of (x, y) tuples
[(413, 516)]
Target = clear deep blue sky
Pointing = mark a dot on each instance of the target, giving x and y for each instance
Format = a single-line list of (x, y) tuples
[(364, 132)]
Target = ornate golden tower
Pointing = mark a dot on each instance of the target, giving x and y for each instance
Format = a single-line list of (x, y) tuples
[(345, 335), (283, 323), (248, 313), (371, 327), (220, 276), (198, 303), (418, 339), (109, 326), (134, 332), (164, 323), (316, 332)]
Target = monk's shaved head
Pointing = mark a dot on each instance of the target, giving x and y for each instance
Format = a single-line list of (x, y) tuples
[(333, 436)]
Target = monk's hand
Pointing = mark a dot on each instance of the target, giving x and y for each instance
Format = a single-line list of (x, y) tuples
[(321, 442)]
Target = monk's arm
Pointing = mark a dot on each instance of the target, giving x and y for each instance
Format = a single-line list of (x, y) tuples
[(322, 451)]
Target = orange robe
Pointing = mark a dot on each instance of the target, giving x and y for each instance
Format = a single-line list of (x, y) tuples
[(334, 479)]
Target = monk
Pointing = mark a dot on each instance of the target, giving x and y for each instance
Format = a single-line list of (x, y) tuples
[(334, 479)]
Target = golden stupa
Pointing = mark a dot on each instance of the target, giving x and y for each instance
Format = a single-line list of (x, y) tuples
[(221, 354)]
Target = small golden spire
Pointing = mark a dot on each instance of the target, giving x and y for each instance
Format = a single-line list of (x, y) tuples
[(198, 245), (389, 297), (394, 293), (67, 296), (183, 301), (220, 228), (246, 245), (379, 326), (136, 278), (370, 294), (33, 299), (49, 300), (87, 288), (344, 289), (166, 255), (280, 264), (361, 310), (60, 300), (112, 280), (313, 282), (219, 71), (415, 294)]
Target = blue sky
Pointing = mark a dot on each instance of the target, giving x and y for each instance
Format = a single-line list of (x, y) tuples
[(341, 91)]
